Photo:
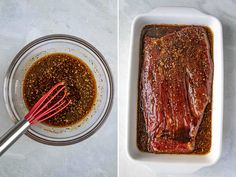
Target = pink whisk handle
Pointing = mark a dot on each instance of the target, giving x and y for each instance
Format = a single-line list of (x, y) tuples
[(13, 134)]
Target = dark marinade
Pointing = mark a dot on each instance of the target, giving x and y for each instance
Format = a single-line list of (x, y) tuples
[(79, 81)]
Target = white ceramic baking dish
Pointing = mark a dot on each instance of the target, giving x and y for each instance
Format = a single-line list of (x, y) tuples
[(167, 163)]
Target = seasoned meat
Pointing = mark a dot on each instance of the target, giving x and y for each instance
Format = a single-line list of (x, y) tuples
[(176, 81)]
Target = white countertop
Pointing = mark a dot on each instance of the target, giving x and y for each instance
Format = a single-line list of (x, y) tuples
[(21, 22), (226, 12)]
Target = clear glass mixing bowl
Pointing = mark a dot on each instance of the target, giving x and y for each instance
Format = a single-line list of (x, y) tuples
[(13, 93)]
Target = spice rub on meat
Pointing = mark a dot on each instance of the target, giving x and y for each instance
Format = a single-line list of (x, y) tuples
[(79, 80), (175, 88)]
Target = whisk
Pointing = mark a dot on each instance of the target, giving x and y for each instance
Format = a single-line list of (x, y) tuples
[(46, 107)]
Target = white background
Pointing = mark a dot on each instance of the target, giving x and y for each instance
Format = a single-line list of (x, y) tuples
[(226, 12), (21, 21)]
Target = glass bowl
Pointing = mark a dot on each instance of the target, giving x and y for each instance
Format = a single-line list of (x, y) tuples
[(13, 93)]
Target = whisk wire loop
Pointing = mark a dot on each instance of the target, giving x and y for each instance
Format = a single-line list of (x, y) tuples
[(40, 111)]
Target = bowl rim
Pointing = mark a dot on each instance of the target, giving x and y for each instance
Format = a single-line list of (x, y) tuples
[(52, 37)]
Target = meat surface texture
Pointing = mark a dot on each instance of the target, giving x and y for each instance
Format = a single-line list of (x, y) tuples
[(175, 84)]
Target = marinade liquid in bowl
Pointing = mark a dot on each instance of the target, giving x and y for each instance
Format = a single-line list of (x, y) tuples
[(79, 81), (52, 59)]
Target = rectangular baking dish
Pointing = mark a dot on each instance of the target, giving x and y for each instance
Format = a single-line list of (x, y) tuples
[(167, 163)]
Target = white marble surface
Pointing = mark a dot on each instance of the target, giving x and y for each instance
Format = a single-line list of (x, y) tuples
[(95, 21), (226, 12)]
